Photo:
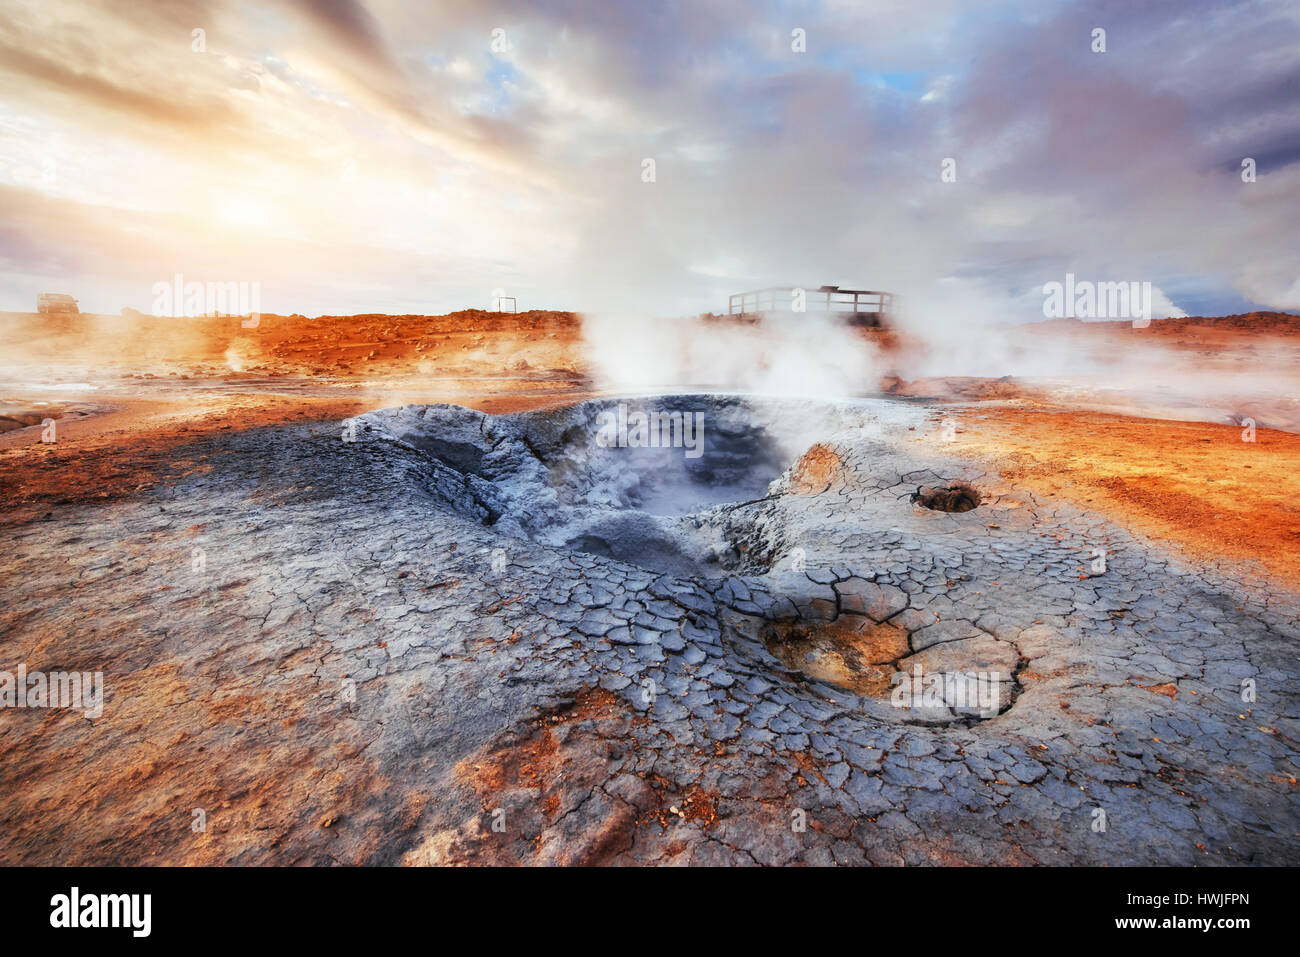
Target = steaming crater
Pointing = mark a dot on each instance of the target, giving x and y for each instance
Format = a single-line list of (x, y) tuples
[(633, 479), (770, 501)]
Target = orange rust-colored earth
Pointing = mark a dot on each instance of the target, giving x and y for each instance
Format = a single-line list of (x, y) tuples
[(816, 470), (1197, 485), (152, 393)]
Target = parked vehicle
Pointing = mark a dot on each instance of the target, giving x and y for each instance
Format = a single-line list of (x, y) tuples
[(51, 303)]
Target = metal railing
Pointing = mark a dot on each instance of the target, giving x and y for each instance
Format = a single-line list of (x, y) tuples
[(850, 302)]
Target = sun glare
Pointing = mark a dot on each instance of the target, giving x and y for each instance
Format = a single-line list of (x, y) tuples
[(243, 211)]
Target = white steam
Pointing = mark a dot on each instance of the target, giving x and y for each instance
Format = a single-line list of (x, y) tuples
[(806, 354)]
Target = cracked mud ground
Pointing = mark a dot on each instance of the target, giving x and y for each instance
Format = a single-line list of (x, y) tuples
[(475, 639)]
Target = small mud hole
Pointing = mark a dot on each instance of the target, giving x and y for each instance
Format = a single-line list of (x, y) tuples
[(956, 497), (852, 652)]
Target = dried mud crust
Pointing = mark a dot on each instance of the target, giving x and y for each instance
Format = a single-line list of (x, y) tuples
[(383, 659)]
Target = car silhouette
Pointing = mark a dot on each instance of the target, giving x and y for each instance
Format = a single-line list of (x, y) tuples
[(50, 303)]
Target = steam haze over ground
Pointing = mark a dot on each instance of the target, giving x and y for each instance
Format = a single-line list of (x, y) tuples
[(804, 355)]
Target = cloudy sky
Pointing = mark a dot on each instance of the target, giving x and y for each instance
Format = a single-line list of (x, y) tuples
[(375, 155)]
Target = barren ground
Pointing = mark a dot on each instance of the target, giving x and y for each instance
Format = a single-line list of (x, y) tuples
[(477, 688)]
